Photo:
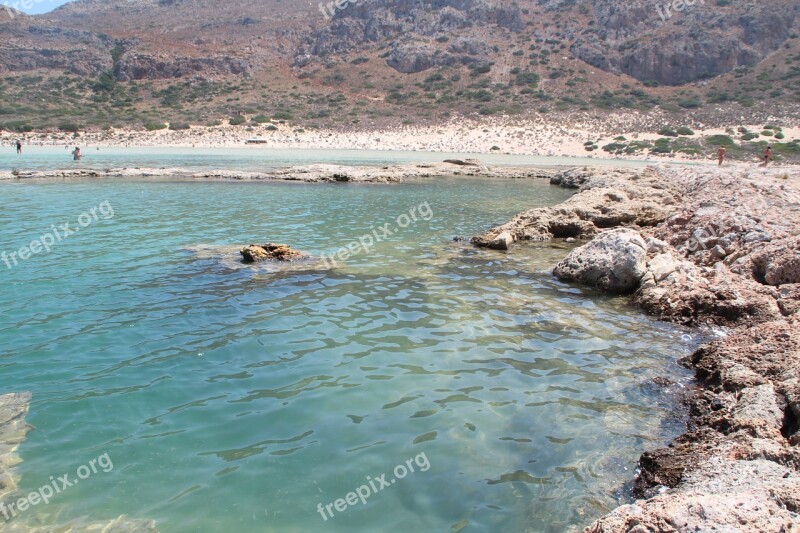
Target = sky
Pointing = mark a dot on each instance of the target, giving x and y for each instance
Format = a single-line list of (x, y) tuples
[(33, 7)]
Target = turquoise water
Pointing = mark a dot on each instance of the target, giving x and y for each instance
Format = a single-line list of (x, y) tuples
[(239, 399), (255, 158)]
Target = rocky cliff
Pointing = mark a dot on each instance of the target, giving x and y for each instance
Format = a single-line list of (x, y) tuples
[(643, 39), (345, 63), (651, 41)]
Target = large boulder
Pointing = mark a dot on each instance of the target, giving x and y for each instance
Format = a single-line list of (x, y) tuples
[(615, 261)]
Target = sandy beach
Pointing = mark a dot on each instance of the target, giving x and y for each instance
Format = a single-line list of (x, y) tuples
[(500, 136)]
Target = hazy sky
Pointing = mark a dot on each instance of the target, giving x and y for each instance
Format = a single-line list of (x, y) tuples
[(34, 6)]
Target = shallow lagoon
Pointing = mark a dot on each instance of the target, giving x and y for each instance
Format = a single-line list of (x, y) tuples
[(255, 158), (238, 399)]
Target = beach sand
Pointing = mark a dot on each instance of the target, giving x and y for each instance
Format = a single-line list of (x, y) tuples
[(457, 136)]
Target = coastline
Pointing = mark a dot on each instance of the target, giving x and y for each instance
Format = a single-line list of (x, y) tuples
[(743, 422), (700, 247)]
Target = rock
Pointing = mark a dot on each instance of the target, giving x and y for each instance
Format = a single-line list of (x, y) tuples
[(269, 252), (608, 198), (779, 264), (469, 46), (789, 299), (756, 236), (655, 246), (757, 412), (718, 252), (464, 162), (139, 66), (408, 26), (615, 261), (792, 420), (570, 240), (662, 266), (413, 57), (720, 495), (690, 294), (572, 178), (502, 241)]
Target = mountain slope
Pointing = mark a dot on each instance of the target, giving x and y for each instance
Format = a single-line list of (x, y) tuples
[(378, 62)]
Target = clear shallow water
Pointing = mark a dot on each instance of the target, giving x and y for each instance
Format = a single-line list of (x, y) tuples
[(238, 399), (256, 158)]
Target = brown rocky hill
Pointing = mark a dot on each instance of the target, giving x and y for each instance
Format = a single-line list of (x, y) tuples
[(651, 41), (376, 61)]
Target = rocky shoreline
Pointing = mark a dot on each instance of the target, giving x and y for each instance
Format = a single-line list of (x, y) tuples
[(700, 247)]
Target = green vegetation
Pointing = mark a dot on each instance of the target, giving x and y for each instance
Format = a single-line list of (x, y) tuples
[(720, 140), (342, 90), (70, 127)]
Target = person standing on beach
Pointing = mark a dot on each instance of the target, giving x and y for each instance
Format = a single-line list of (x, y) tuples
[(721, 154), (19, 147), (767, 156)]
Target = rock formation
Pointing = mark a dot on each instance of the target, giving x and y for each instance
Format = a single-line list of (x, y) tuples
[(724, 252), (409, 26), (608, 198), (256, 253)]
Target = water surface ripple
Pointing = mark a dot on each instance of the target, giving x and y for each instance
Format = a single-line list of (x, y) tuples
[(238, 399)]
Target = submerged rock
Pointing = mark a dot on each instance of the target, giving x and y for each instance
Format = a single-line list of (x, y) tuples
[(256, 253), (13, 430), (615, 261)]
